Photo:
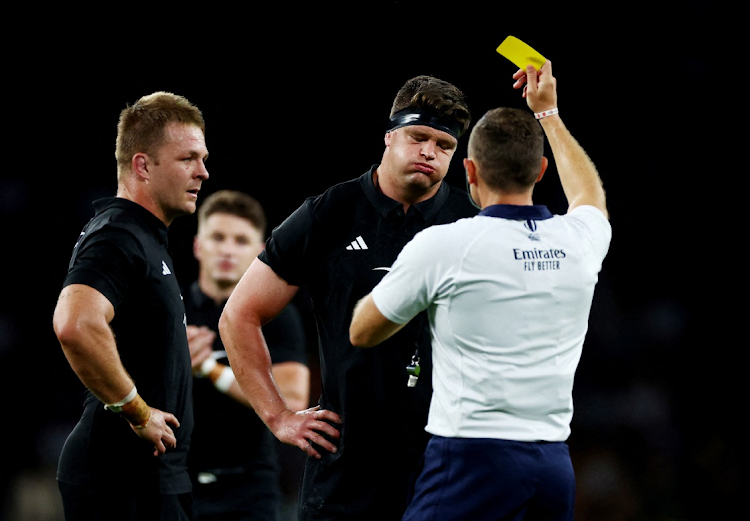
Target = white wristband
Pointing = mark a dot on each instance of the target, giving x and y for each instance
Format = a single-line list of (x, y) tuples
[(117, 407), (207, 366), (224, 381), (550, 112)]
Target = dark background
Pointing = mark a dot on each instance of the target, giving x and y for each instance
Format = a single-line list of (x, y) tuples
[(297, 99)]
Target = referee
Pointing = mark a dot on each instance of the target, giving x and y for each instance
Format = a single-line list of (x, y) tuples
[(509, 305)]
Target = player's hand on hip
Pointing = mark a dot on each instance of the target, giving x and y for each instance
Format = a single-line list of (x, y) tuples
[(305, 429), (158, 431)]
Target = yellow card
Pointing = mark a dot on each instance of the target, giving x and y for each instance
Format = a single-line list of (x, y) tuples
[(520, 53)]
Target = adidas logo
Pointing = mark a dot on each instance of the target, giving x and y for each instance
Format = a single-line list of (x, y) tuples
[(165, 269), (357, 244)]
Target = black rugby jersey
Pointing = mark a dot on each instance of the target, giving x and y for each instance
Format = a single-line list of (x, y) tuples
[(339, 245), (229, 436), (122, 252)]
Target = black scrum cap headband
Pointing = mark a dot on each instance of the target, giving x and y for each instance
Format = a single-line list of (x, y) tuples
[(408, 116)]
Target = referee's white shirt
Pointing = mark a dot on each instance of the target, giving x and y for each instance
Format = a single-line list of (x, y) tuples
[(508, 302)]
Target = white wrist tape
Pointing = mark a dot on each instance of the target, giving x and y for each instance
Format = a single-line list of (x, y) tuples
[(224, 381), (550, 112), (207, 366), (129, 398)]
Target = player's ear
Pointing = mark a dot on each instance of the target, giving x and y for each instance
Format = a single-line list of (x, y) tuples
[(140, 165)]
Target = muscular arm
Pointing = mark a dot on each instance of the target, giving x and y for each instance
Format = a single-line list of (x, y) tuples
[(369, 327), (293, 381), (292, 378), (259, 297), (81, 323), (578, 175)]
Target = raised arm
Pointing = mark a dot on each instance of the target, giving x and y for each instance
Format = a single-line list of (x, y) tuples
[(259, 297), (578, 175)]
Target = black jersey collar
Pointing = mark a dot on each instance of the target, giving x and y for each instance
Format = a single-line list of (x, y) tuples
[(536, 212), (147, 218), (201, 300), (386, 205)]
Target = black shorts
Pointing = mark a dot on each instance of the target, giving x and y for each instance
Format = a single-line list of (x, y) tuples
[(84, 504), (246, 496)]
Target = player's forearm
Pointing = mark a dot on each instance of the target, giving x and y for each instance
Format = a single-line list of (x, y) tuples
[(92, 354), (251, 363), (578, 174), (262, 392), (81, 323), (293, 381)]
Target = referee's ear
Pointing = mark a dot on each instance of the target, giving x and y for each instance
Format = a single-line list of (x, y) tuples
[(470, 168), (542, 168)]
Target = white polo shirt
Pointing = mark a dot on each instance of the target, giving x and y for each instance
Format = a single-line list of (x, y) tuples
[(508, 294)]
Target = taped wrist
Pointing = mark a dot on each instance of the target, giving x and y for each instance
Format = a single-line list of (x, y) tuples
[(220, 375), (137, 412)]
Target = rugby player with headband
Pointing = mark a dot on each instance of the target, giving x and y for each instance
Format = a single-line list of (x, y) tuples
[(412, 116), (366, 438), (424, 117)]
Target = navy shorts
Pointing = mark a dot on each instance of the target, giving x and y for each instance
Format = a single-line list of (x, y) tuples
[(497, 480)]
